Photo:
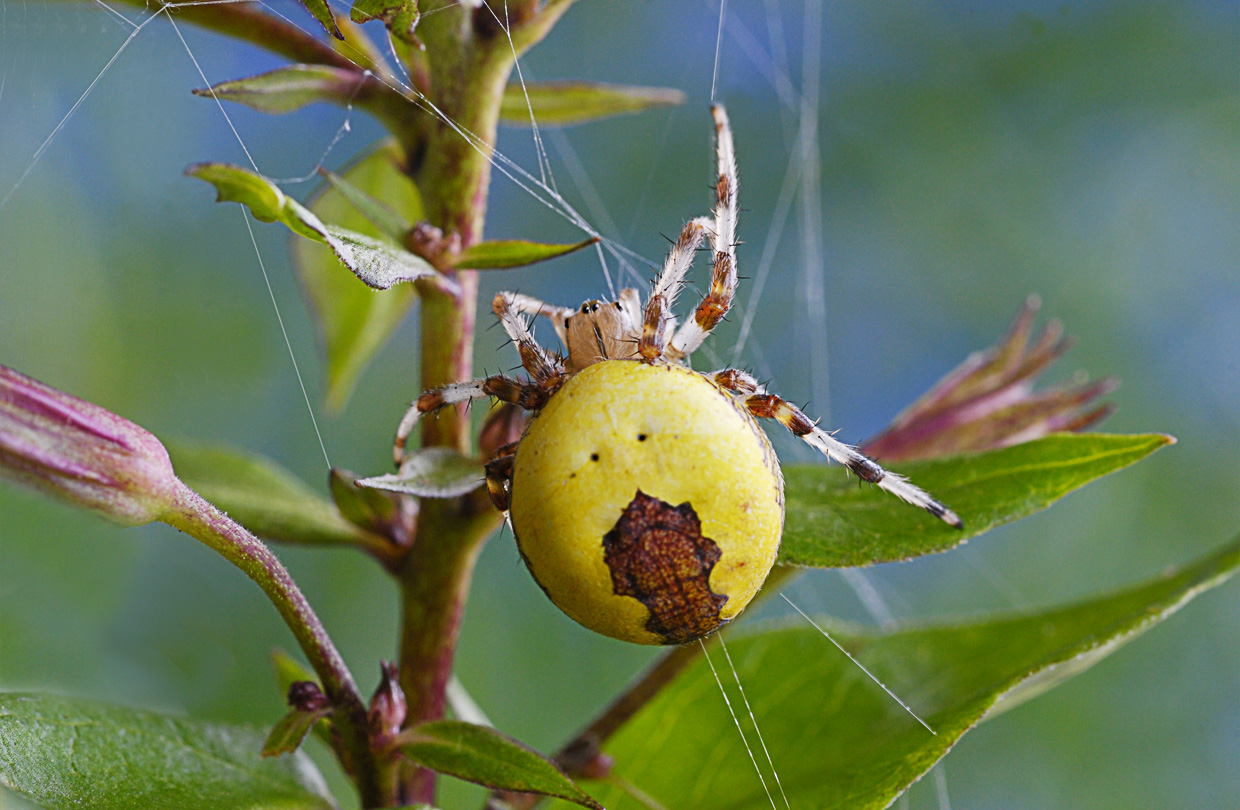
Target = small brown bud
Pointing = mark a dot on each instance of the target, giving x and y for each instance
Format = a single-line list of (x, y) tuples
[(307, 697)]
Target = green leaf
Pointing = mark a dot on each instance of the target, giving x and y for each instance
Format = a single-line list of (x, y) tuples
[(436, 472), (400, 16), (288, 671), (836, 739), (502, 254), (69, 753), (380, 264), (369, 509), (485, 756), (832, 522), (289, 88), (376, 212), (323, 13), (290, 732), (261, 495), (353, 321), (565, 103)]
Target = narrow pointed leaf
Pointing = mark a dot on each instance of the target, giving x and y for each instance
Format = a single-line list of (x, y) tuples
[(288, 670), (831, 522), (565, 103), (377, 213), (262, 496), (486, 757), (289, 88), (289, 732), (837, 740), (502, 254), (379, 263), (436, 472), (368, 508), (321, 11), (353, 321), (66, 753)]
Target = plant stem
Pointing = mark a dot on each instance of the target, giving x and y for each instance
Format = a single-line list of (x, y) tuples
[(468, 65), (192, 514), (453, 174)]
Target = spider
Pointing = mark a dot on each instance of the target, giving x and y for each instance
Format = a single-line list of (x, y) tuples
[(644, 498)]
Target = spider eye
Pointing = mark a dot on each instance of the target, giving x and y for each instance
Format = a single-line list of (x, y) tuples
[(594, 307), (566, 320), (585, 308), (618, 305)]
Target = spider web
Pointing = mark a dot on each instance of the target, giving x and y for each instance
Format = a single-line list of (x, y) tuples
[(799, 193)]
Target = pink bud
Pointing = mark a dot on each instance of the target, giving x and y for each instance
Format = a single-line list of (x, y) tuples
[(81, 453), (387, 707), (989, 401)]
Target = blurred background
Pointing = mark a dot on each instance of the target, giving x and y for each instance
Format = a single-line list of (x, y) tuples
[(966, 154)]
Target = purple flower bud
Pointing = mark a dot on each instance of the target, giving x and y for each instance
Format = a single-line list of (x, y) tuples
[(988, 401), (81, 453), (387, 707), (307, 697)]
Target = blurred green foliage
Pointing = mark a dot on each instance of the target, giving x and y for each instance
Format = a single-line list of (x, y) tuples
[(971, 154)]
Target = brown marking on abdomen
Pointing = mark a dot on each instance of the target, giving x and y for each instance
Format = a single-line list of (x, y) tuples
[(656, 553)]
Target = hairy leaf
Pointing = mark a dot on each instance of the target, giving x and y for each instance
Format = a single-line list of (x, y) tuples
[(566, 103), (353, 320), (261, 495), (831, 522), (289, 88), (837, 740), (502, 254), (485, 756), (69, 753), (436, 472), (379, 263)]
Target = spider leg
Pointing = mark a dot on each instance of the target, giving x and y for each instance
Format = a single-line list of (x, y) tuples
[(718, 300), (529, 305), (530, 396), (663, 296), (499, 477), (541, 364), (769, 406), (735, 381)]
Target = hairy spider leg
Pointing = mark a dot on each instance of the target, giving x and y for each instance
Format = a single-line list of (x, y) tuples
[(718, 300), (663, 295), (735, 381), (530, 396), (769, 406), (529, 305), (540, 363)]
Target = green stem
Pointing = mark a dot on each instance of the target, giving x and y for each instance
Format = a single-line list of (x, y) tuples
[(469, 63), (192, 514)]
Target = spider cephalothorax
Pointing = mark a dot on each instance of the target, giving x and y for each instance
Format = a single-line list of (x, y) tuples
[(644, 497)]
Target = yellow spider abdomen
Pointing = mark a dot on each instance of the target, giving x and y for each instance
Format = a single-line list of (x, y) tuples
[(647, 502)]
